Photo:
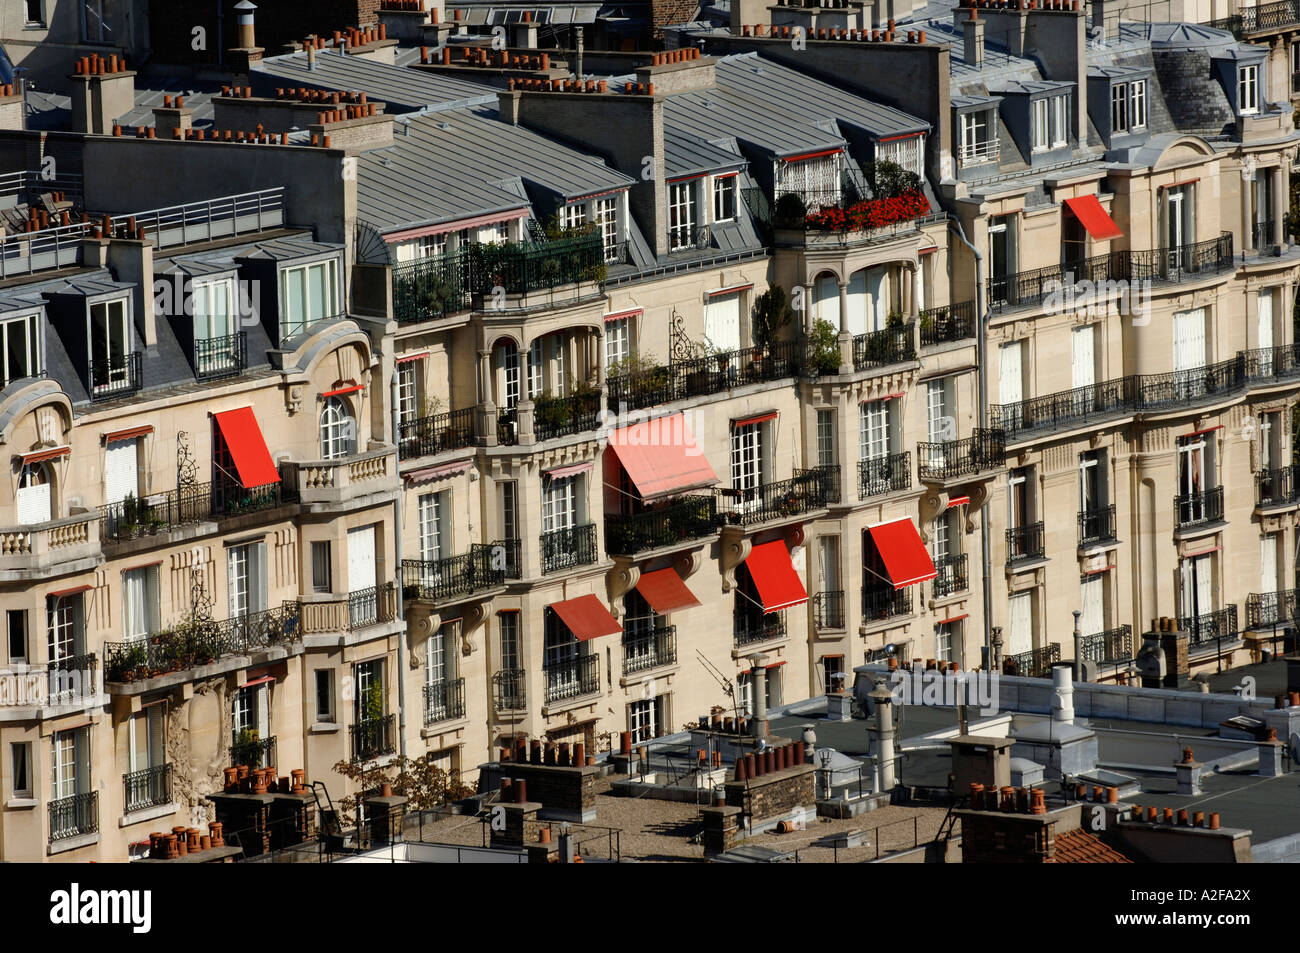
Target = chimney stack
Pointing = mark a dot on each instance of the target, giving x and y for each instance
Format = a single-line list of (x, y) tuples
[(973, 39), (1062, 695)]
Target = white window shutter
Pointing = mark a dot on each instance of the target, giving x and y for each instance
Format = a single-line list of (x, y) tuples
[(1010, 374), (1084, 356)]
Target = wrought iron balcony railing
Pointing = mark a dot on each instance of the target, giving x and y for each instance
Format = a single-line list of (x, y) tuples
[(700, 376), (881, 348), (508, 427), (1097, 525), (561, 416), (443, 580), (149, 787), (828, 609), (155, 513), (884, 602), (1025, 542), (644, 652), (1219, 626), (952, 576), (884, 474), (1199, 509), (572, 679), (508, 690), (1264, 16), (773, 501), (371, 606), (1265, 609), (231, 499), (1108, 647), (949, 323), (830, 477), (1278, 486), (1273, 363), (683, 519), (74, 816), (425, 436), (373, 738), (70, 680), (566, 548), (750, 631), (983, 450), (444, 701), (117, 376), (1036, 663)]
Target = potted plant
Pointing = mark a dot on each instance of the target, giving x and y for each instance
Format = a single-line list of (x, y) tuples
[(770, 315)]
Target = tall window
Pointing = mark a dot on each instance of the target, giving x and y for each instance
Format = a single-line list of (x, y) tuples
[(618, 345), (509, 509), (325, 695), (140, 602), (322, 569), (681, 215), (20, 763), (560, 504), (536, 368), (147, 741), (1092, 481), (1060, 121), (826, 437), (213, 305), (976, 142), (435, 526), (16, 635), (338, 430), (1021, 486), (20, 347), (874, 429), (110, 346), (1195, 476), (508, 361), (410, 375), (947, 636), (747, 457), (33, 13), (645, 717), (509, 623), (907, 152), (440, 668), (371, 701), (1040, 125), (246, 579), (66, 627), (308, 293), (605, 217), (1120, 118), (560, 651), (1248, 90), (70, 764), (1180, 228), (573, 215), (33, 501), (724, 198)]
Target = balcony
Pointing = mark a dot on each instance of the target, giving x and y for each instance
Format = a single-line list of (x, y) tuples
[(981, 150), (508, 690), (1036, 663), (443, 581), (373, 738), (1176, 389), (438, 433), (1199, 509), (1097, 526), (701, 376), (1025, 542), (682, 520), (884, 474), (508, 427), (955, 459), (563, 416), (1264, 16), (830, 477), (255, 752), (216, 358), (1217, 628), (50, 548), (748, 631), (948, 324), (155, 514), (884, 602), (372, 606), (572, 679), (150, 787), (333, 482), (67, 681), (882, 348), (952, 576), (1267, 364), (1271, 609), (431, 288), (1111, 647), (568, 548), (74, 816), (828, 609), (119, 376), (444, 701), (785, 500), (1277, 487), (840, 216), (644, 652), (229, 499), (201, 642)]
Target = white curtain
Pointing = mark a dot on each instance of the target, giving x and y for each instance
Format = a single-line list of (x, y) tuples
[(1020, 634), (1092, 598)]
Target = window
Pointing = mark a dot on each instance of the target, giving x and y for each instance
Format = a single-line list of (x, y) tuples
[(747, 457), (1092, 481), (110, 347), (1195, 476), (371, 702), (250, 709), (70, 765), (1040, 125), (1189, 340), (618, 346), (34, 13), (96, 21), (1092, 603), (874, 430), (817, 180), (410, 375), (560, 504), (605, 217), (724, 198), (509, 624), (907, 152), (20, 344), (508, 361), (509, 510), (426, 246), (140, 603), (681, 215), (1021, 486), (947, 636), (1270, 440), (977, 142), (560, 652), (439, 669), (1295, 67), (308, 293), (832, 670), (322, 570), (1020, 624), (325, 695), (826, 437), (214, 317), (1060, 121), (1083, 356), (1248, 90), (338, 430), (20, 762), (147, 748), (65, 624), (1119, 108), (32, 501), (246, 579), (646, 717), (16, 626), (1138, 103), (1011, 378), (121, 474), (573, 215), (1268, 561), (1197, 586), (1180, 228), (435, 526), (536, 369)]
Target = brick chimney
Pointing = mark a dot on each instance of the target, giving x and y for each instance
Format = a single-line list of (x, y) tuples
[(102, 90), (131, 260), (679, 71), (173, 114), (12, 113), (247, 54), (973, 39)]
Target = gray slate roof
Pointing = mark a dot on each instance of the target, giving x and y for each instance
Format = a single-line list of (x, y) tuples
[(404, 90), (684, 154)]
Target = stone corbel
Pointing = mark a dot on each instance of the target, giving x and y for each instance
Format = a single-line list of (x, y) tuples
[(735, 548), (931, 504), (622, 579), (688, 563), (474, 616), (421, 623), (795, 536), (293, 398), (979, 495)]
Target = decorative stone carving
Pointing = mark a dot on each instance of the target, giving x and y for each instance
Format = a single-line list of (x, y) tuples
[(474, 616), (293, 398), (929, 506), (795, 535), (688, 563), (622, 578), (979, 495), (735, 549), (198, 756)]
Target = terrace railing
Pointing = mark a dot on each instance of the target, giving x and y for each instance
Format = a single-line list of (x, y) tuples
[(1108, 647), (437, 433), (566, 548), (949, 323), (1036, 663), (683, 519), (884, 474)]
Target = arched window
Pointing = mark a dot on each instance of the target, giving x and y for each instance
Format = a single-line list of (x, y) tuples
[(33, 501), (338, 430)]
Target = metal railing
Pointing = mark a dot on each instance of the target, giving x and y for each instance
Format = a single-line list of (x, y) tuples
[(115, 377), (155, 513), (201, 642), (524, 268), (1177, 388), (566, 548), (437, 433), (508, 427), (952, 575), (373, 738), (748, 630), (508, 690), (830, 477), (700, 376), (1278, 486), (828, 609), (683, 519), (984, 450), (1264, 16), (444, 700), (562, 416), (1217, 626), (771, 501), (884, 474), (1036, 663), (644, 652), (1197, 509), (1108, 647), (1273, 363), (442, 580), (572, 679), (948, 323), (149, 787), (254, 752), (683, 238), (74, 816), (231, 499), (215, 358), (1069, 408), (71, 679), (210, 219), (1271, 608), (886, 346), (431, 287), (1097, 525), (985, 150), (370, 606), (26, 252), (884, 602), (508, 552), (1025, 542)]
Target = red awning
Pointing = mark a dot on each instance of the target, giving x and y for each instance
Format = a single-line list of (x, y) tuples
[(60, 593), (573, 469), (665, 591), (778, 584), (346, 388), (132, 434), (247, 447), (661, 457), (442, 472), (1094, 218), (586, 617), (41, 456), (757, 419), (902, 552)]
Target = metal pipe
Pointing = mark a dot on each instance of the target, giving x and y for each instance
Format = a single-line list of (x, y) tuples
[(981, 371), (402, 647)]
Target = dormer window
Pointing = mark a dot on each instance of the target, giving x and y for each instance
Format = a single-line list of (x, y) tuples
[(681, 215), (20, 347), (1050, 123), (1128, 106), (977, 141), (724, 198), (217, 349), (1247, 90), (110, 347), (308, 293)]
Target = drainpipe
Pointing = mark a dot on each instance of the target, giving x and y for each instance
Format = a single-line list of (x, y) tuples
[(982, 375), (402, 646)]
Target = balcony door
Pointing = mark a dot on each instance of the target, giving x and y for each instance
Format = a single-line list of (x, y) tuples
[(1265, 335), (1020, 624), (747, 459), (1180, 225), (110, 346), (65, 624), (1195, 474), (33, 497), (1083, 356), (1092, 603), (246, 579), (121, 471), (1268, 562), (70, 763), (722, 321), (1011, 376), (361, 559), (1197, 578), (140, 608), (371, 701), (146, 734), (1189, 340)]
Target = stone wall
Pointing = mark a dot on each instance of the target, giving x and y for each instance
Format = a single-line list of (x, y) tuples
[(774, 795)]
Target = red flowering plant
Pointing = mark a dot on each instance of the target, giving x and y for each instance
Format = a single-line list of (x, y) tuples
[(870, 214)]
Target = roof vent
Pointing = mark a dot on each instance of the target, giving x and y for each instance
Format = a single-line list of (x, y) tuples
[(444, 126)]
